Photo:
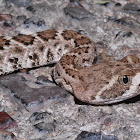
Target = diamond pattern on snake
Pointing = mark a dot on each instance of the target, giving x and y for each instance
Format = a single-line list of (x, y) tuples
[(76, 70)]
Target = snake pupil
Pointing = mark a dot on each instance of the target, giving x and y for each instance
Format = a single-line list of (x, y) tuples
[(125, 79)]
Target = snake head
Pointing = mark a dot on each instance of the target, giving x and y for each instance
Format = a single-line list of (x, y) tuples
[(108, 83)]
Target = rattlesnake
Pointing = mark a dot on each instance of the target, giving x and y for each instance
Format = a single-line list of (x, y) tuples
[(76, 71)]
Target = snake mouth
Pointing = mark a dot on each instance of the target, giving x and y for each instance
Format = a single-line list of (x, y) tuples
[(131, 93), (118, 99)]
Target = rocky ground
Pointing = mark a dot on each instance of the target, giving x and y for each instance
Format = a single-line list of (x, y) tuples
[(34, 108)]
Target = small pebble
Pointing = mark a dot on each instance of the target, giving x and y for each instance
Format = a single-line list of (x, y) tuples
[(18, 3), (118, 4), (34, 21), (6, 121), (37, 117), (76, 10), (45, 127), (94, 136), (132, 8), (21, 18), (6, 135)]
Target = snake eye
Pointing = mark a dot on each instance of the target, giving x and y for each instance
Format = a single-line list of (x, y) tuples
[(125, 79)]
